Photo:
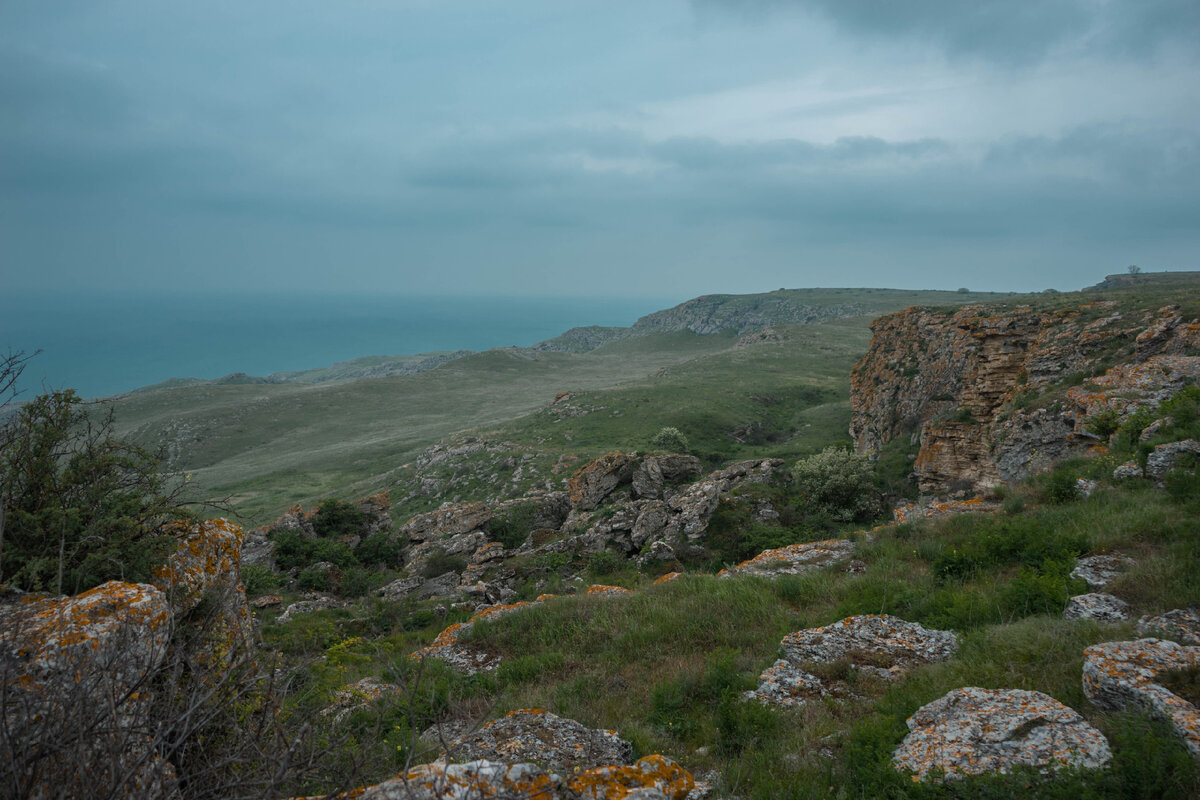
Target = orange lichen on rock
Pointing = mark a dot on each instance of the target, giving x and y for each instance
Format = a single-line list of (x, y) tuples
[(670, 576), (607, 591), (793, 559), (615, 783), (211, 553), (915, 511)]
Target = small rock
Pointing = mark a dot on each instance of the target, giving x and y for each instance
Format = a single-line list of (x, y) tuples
[(1181, 624), (972, 731), (358, 695), (607, 591), (400, 588), (1101, 607), (1130, 469), (308, 607), (266, 601), (1085, 487), (856, 567), (1099, 571), (793, 559)]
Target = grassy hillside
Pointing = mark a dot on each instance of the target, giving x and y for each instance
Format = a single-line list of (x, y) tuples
[(266, 446)]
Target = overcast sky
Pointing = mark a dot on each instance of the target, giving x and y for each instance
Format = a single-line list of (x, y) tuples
[(640, 147)]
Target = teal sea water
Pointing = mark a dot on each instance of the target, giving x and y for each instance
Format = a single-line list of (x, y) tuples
[(103, 345)]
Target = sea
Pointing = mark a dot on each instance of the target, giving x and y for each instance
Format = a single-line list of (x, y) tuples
[(105, 344)]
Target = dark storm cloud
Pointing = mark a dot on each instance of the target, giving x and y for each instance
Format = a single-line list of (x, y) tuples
[(1007, 31)]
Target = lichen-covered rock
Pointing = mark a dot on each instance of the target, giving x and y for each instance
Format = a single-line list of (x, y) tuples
[(880, 645), (308, 607), (972, 731), (532, 734), (654, 473), (1180, 624), (1166, 457), (597, 480), (82, 665), (400, 588), (474, 780), (655, 773), (359, 694), (794, 559), (461, 655), (1099, 571), (1123, 675), (1130, 469), (1097, 606), (601, 590), (934, 509), (447, 521)]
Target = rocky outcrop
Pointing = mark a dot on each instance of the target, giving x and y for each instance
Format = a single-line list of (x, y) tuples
[(592, 483), (533, 734), (1097, 606), (882, 646), (655, 473), (1165, 457), (974, 731), (962, 384), (1125, 675), (358, 695)]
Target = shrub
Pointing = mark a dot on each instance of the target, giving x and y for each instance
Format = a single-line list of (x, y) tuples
[(79, 507), (671, 440), (440, 562), (379, 549), (838, 482), (258, 579), (512, 528), (1060, 487), (293, 549), (334, 518)]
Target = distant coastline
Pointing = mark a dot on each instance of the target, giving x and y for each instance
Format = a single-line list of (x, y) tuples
[(105, 345)]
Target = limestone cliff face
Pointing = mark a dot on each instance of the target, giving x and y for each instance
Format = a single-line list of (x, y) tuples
[(984, 389)]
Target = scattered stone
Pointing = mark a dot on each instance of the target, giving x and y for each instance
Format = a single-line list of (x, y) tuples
[(879, 645), (856, 567), (1122, 675), (1085, 487), (793, 559), (1099, 571), (1167, 456), (971, 731), (608, 591), (667, 578), (1130, 469), (1181, 624), (308, 607), (267, 601), (533, 734), (358, 695), (1097, 606)]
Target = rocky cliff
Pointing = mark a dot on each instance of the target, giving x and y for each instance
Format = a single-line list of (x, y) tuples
[(994, 394)]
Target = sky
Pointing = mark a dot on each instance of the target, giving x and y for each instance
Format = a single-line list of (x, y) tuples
[(595, 147)]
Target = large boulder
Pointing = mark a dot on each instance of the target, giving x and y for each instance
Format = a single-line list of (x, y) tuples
[(973, 731), (1165, 457), (655, 473), (879, 645), (76, 674), (447, 521), (1125, 675), (1180, 624), (1097, 606), (1099, 571), (532, 734)]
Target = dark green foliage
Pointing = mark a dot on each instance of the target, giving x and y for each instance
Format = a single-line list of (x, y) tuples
[(670, 440), (379, 550), (512, 528), (839, 483), (1059, 486), (605, 563), (734, 534), (80, 507), (1041, 591), (1104, 424), (315, 580), (440, 562), (334, 518), (294, 549), (258, 579)]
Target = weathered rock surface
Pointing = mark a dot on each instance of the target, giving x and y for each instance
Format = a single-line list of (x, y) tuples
[(532, 734), (936, 509), (1124, 675), (879, 645), (461, 655), (654, 473), (82, 663), (1180, 624), (953, 379), (651, 778), (1097, 606), (972, 731), (793, 559), (447, 521), (1166, 457), (359, 694), (308, 607), (592, 483), (1099, 571)]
